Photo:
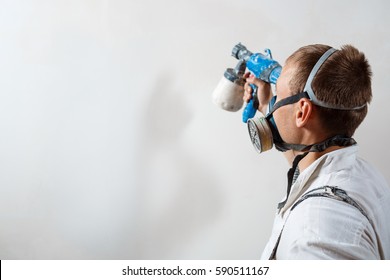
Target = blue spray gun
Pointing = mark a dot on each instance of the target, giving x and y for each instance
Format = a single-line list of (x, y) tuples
[(229, 91)]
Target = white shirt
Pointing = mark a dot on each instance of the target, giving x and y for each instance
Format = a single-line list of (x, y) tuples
[(325, 228)]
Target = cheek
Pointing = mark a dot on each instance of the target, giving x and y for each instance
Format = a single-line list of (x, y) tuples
[(284, 123)]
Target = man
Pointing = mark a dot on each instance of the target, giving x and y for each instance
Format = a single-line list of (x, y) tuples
[(337, 205)]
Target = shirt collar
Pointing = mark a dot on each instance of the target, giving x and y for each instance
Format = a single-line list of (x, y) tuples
[(328, 163)]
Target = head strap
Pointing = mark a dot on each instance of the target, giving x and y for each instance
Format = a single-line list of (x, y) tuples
[(310, 91)]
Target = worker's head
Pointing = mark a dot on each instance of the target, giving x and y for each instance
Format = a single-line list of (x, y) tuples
[(321, 94), (344, 80)]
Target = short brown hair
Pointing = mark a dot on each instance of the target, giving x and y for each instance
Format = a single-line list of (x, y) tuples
[(344, 79)]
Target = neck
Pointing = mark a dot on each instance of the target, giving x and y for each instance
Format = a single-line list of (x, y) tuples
[(313, 156)]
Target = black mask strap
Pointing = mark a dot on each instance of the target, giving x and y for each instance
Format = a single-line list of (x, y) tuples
[(338, 140), (290, 176), (288, 100)]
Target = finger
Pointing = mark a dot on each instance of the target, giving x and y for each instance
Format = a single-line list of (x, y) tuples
[(247, 95), (251, 78), (246, 75), (248, 88), (255, 81), (247, 98)]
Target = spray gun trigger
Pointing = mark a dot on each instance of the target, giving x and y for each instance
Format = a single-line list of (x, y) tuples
[(255, 99)]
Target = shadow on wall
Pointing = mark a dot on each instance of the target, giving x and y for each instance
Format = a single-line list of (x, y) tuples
[(177, 195)]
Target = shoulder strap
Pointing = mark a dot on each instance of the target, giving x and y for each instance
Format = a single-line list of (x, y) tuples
[(325, 191), (331, 192)]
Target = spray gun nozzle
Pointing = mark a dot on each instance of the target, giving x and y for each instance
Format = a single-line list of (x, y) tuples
[(241, 52)]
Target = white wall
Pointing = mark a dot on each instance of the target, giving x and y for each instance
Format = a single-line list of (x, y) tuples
[(110, 146)]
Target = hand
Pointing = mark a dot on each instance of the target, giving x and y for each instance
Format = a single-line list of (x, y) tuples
[(264, 92)]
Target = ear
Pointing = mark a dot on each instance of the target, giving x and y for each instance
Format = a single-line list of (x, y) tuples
[(304, 111)]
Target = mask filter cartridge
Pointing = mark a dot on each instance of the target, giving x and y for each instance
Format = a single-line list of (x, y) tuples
[(260, 134)]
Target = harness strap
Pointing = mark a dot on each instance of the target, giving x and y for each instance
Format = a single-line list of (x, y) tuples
[(325, 191)]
